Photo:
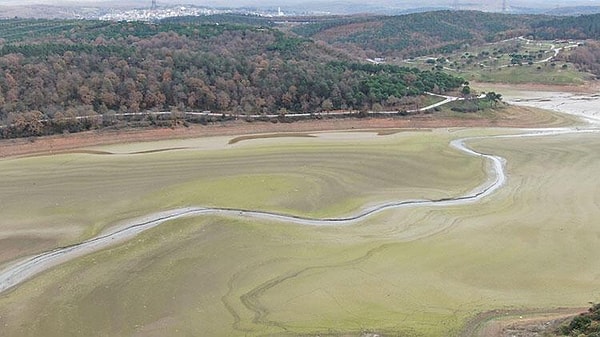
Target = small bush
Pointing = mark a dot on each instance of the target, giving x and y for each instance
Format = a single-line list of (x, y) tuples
[(584, 325)]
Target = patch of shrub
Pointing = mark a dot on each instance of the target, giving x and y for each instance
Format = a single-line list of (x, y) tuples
[(584, 325)]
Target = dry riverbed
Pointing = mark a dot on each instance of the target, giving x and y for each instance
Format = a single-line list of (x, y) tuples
[(456, 269), (583, 102)]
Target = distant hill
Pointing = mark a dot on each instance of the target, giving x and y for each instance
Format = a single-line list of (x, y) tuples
[(579, 27), (574, 10), (233, 19), (419, 33), (55, 74)]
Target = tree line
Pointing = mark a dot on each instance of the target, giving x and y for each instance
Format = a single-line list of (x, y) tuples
[(573, 27), (107, 69), (442, 32), (419, 33), (587, 57)]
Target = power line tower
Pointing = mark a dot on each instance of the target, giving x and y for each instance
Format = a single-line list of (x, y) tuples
[(455, 5), (504, 6), (153, 4)]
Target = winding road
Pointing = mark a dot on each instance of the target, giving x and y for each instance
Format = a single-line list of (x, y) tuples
[(27, 268), (209, 114)]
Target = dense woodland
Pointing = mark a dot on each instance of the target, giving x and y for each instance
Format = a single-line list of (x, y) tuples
[(586, 57), (573, 27), (55, 72), (418, 34), (100, 68), (584, 27), (437, 33)]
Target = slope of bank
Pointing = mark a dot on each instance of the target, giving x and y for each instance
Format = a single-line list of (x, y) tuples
[(512, 116)]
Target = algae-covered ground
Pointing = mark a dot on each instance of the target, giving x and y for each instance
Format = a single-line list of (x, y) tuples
[(409, 272)]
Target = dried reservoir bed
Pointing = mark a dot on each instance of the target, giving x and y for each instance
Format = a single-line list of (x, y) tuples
[(415, 271)]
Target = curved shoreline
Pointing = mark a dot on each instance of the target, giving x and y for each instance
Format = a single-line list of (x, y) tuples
[(27, 268)]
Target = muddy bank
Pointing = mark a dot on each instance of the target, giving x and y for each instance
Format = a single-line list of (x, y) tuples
[(585, 106)]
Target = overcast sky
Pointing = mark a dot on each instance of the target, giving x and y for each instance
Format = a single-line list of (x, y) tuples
[(235, 3)]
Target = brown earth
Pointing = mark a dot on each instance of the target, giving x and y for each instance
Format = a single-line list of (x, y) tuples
[(519, 323), (588, 87), (507, 117)]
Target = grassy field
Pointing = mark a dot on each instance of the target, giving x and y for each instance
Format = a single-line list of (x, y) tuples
[(528, 74), (497, 63), (407, 272)]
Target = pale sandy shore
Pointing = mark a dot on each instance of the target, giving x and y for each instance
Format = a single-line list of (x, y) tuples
[(581, 101), (586, 106)]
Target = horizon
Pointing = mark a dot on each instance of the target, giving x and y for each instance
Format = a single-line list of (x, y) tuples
[(268, 3), (88, 9)]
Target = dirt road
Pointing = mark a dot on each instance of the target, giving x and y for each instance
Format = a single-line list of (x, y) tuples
[(518, 323)]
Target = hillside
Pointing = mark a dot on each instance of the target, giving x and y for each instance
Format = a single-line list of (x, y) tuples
[(475, 41), (584, 27), (442, 31), (55, 73), (574, 10), (575, 27), (58, 73), (417, 34)]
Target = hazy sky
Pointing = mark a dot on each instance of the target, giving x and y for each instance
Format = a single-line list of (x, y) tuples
[(283, 2), (234, 3)]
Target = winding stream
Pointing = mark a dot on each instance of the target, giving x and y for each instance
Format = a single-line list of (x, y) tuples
[(25, 269)]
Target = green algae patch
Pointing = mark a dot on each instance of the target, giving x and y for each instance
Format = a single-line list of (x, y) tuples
[(417, 271)]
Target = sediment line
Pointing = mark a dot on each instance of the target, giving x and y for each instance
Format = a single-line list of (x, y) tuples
[(25, 269), (251, 299)]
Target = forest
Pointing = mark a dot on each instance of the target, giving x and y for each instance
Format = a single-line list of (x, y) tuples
[(573, 27), (443, 31), (418, 34), (586, 57), (96, 68), (56, 73)]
